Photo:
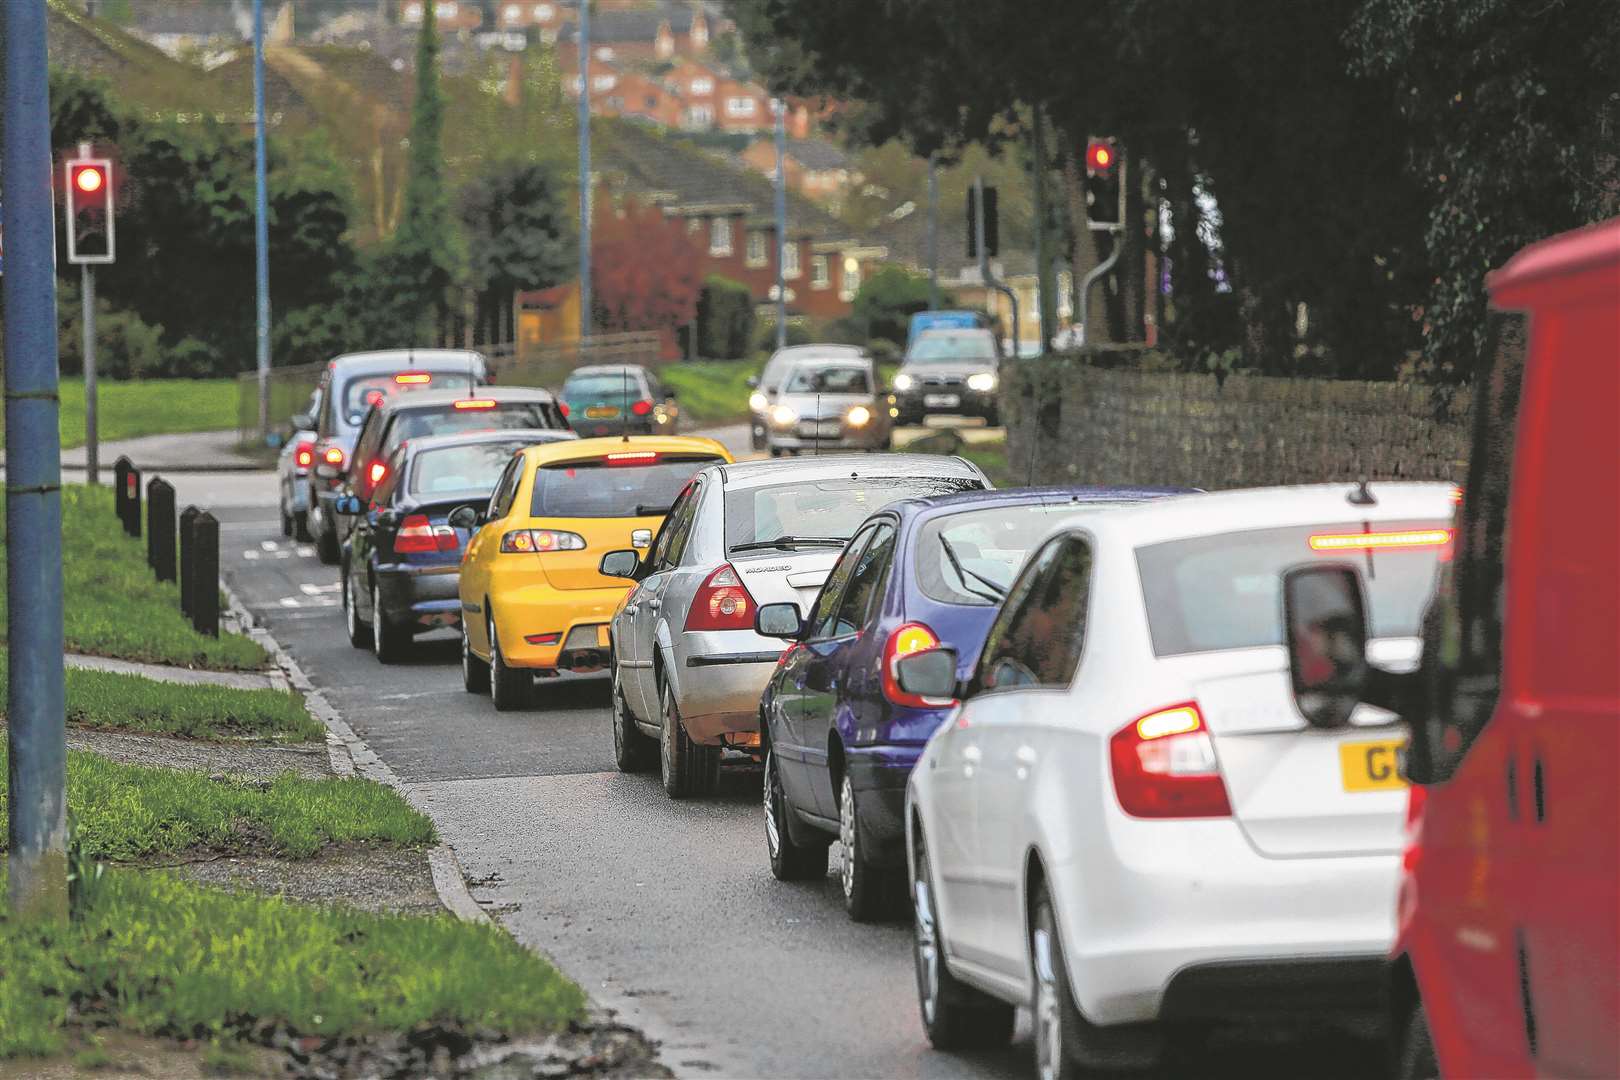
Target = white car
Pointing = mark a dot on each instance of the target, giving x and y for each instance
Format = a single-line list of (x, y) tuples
[(1126, 823)]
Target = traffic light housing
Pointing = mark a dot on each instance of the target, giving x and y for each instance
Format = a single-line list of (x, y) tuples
[(992, 228), (89, 210), (1102, 187)]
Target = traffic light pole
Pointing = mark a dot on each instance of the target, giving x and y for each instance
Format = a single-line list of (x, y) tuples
[(933, 232), (584, 169), (779, 107), (984, 259), (261, 227), (92, 447), (37, 746), (1097, 272)]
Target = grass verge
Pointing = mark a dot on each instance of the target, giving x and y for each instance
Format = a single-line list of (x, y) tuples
[(113, 605), (124, 812), (711, 391), (118, 702), (151, 954), (128, 410), (992, 458)]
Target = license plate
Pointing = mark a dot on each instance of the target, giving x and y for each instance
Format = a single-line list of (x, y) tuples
[(1372, 766), (825, 429), (601, 412), (941, 401)]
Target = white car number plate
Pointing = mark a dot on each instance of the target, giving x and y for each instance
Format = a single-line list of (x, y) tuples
[(941, 401)]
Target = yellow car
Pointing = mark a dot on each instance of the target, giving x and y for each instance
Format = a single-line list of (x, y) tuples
[(532, 598)]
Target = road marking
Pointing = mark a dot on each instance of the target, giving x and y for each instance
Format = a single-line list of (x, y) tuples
[(309, 601), (316, 590), (268, 545), (250, 554), (284, 554), (305, 551)]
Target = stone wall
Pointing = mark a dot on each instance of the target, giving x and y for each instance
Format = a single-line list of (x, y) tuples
[(1087, 424)]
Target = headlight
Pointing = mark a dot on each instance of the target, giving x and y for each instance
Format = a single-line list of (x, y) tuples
[(903, 381), (982, 381), (859, 416), (782, 416), (756, 401)]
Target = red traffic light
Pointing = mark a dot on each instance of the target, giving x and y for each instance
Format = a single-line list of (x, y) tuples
[(89, 178), (1100, 155)]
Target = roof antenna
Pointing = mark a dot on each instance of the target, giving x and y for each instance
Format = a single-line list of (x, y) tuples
[(1362, 496), (624, 410), (817, 444), (472, 371)]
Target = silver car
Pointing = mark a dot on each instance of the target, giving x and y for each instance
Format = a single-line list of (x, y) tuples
[(687, 664), (829, 404), (765, 388), (293, 466)]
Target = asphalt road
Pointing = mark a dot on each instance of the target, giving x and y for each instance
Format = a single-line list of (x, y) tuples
[(664, 910)]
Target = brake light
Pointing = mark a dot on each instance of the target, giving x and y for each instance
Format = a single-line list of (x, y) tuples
[(911, 638), (540, 541), (1376, 541), (416, 377), (304, 454), (1164, 766), (633, 457), (641, 408), (418, 535), (542, 639), (475, 403), (722, 603), (562, 407), (333, 456), (377, 471)]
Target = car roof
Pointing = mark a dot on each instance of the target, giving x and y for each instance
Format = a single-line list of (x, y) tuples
[(472, 438), (584, 449), (1081, 495), (427, 399), (827, 360), (381, 360), (608, 369), (1214, 513), (827, 349), (747, 474)]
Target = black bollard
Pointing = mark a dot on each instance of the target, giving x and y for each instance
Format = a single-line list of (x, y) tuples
[(132, 502), (188, 519), (121, 470), (160, 528), (205, 574)]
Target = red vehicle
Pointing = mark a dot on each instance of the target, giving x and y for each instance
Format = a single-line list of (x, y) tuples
[(1507, 956)]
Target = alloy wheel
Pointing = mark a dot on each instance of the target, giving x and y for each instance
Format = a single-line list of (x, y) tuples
[(846, 838), (1048, 1009), (925, 940), (773, 828), (378, 645)]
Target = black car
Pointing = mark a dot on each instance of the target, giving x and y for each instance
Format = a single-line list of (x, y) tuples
[(390, 423), (618, 399), (402, 562)]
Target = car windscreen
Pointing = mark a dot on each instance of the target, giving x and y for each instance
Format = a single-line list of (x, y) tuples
[(363, 391), (1225, 592), (828, 380), (448, 420), (972, 557), (832, 508), (612, 389), (472, 467), (946, 346), (604, 488)]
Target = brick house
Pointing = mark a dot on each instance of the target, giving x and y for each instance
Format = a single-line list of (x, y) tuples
[(660, 32), (452, 15), (546, 16), (816, 168), (616, 91)]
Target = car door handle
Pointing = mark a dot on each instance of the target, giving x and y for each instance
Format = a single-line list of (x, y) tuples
[(630, 609), (656, 605)]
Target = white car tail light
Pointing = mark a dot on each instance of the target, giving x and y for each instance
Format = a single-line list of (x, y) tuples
[(722, 603), (1164, 766)]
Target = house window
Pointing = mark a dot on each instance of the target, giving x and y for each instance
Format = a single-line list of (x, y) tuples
[(852, 279), (756, 247), (740, 106), (700, 116), (514, 14), (702, 86), (448, 9), (790, 259), (413, 12), (604, 82), (719, 236), (604, 53), (820, 274), (616, 103), (543, 12), (693, 225), (650, 101)]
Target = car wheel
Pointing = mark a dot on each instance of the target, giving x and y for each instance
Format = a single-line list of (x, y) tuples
[(474, 672), (327, 546), (1067, 1045), (869, 891), (790, 860), (286, 522), (992, 418), (776, 451), (955, 1016), (686, 768), (388, 640), (1416, 1060), (300, 521), (632, 751), (359, 632), (508, 686)]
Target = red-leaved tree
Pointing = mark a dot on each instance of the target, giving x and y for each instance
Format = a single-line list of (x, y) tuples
[(644, 270)]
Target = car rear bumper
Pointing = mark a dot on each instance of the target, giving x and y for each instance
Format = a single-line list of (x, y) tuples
[(579, 618), (299, 498), (1341, 986), (879, 774), (421, 598), (719, 677)]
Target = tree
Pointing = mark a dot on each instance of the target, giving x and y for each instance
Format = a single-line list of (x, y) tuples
[(644, 271), (725, 319), (887, 300), (521, 235)]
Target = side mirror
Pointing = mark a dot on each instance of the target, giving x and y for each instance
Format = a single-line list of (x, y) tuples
[(622, 564), (464, 517), (389, 519), (1325, 619), (303, 422), (752, 382), (929, 674), (779, 621), (347, 505)]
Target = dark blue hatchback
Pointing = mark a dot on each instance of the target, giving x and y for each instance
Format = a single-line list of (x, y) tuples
[(839, 733)]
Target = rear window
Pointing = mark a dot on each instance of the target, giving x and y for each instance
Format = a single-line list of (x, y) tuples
[(447, 420), (360, 393), (972, 557), (832, 508), (474, 467), (611, 388), (838, 380), (1225, 592), (599, 489)]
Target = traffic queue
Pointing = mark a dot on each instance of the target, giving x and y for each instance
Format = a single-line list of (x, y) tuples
[(1136, 759)]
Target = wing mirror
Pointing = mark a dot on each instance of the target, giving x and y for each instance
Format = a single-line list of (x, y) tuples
[(347, 505), (464, 517), (752, 382), (929, 674), (1325, 618), (303, 422), (620, 564), (779, 621)]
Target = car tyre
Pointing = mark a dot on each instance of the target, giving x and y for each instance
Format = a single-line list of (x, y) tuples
[(388, 640), (790, 859), (300, 522), (359, 632), (509, 687), (870, 891), (286, 522), (474, 672), (1416, 1058), (686, 768), (955, 1016), (327, 547), (632, 750)]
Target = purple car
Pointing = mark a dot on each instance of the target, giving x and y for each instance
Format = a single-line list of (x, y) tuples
[(839, 734)]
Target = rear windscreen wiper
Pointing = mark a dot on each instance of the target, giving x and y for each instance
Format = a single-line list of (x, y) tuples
[(993, 593), (787, 543), (650, 510)]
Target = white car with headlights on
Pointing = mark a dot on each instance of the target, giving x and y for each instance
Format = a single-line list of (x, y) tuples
[(764, 388), (828, 404), (1127, 824)]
